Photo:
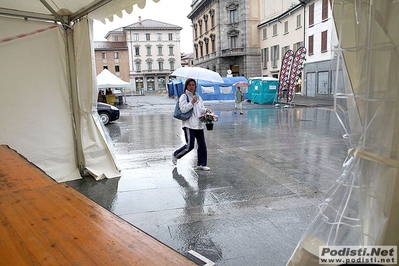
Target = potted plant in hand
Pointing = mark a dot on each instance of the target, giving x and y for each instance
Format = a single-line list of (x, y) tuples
[(208, 119)]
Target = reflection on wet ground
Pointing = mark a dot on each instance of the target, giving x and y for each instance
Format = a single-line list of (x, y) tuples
[(269, 170)]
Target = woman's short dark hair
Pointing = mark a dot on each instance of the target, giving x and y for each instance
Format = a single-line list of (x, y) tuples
[(187, 82)]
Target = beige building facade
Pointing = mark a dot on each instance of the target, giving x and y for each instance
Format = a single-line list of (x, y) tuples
[(113, 56), (282, 29), (151, 52)]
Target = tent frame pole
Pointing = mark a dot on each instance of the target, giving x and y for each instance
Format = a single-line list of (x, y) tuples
[(73, 87)]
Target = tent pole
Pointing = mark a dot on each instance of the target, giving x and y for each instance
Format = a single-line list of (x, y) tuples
[(70, 56)]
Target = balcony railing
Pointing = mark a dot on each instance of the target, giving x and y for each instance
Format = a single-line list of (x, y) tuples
[(206, 58), (233, 52), (154, 71)]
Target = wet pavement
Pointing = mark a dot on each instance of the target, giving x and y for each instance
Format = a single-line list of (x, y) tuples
[(270, 168)]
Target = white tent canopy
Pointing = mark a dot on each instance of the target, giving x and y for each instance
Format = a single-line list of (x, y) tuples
[(106, 79), (49, 90), (61, 10)]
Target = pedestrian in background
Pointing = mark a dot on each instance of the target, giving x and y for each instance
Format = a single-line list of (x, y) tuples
[(298, 86), (193, 128), (101, 97), (239, 98)]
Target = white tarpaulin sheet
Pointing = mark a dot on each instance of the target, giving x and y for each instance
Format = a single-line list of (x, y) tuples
[(35, 112), (98, 153), (48, 85)]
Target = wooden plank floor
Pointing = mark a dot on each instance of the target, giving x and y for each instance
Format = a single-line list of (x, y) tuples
[(46, 223)]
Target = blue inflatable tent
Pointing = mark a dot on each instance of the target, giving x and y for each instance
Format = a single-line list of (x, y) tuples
[(262, 90), (209, 90)]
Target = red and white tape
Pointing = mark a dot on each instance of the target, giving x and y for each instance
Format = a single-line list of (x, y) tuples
[(26, 34)]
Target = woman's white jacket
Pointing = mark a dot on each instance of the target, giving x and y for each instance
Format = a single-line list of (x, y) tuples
[(198, 109)]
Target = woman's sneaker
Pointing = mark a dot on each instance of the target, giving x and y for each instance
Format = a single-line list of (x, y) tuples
[(203, 168), (174, 159)]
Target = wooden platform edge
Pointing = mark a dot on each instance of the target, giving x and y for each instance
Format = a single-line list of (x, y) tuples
[(43, 222)]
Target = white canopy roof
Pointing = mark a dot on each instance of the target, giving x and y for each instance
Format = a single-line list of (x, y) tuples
[(73, 9), (106, 79)]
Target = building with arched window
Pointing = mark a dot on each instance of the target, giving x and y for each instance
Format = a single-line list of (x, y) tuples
[(226, 36)]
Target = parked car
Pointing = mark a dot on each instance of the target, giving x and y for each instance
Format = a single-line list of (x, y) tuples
[(107, 112)]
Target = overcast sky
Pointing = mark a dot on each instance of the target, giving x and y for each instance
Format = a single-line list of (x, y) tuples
[(170, 11)]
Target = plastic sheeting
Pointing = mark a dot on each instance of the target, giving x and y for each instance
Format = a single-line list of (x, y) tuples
[(226, 90), (206, 90), (362, 207)]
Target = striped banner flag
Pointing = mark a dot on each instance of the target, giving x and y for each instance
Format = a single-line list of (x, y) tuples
[(284, 72), (295, 73)]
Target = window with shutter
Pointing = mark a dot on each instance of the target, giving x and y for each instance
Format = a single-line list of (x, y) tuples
[(310, 45), (311, 15), (324, 10), (324, 41)]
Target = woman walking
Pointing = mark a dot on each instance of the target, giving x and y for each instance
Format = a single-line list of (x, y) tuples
[(192, 127)]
